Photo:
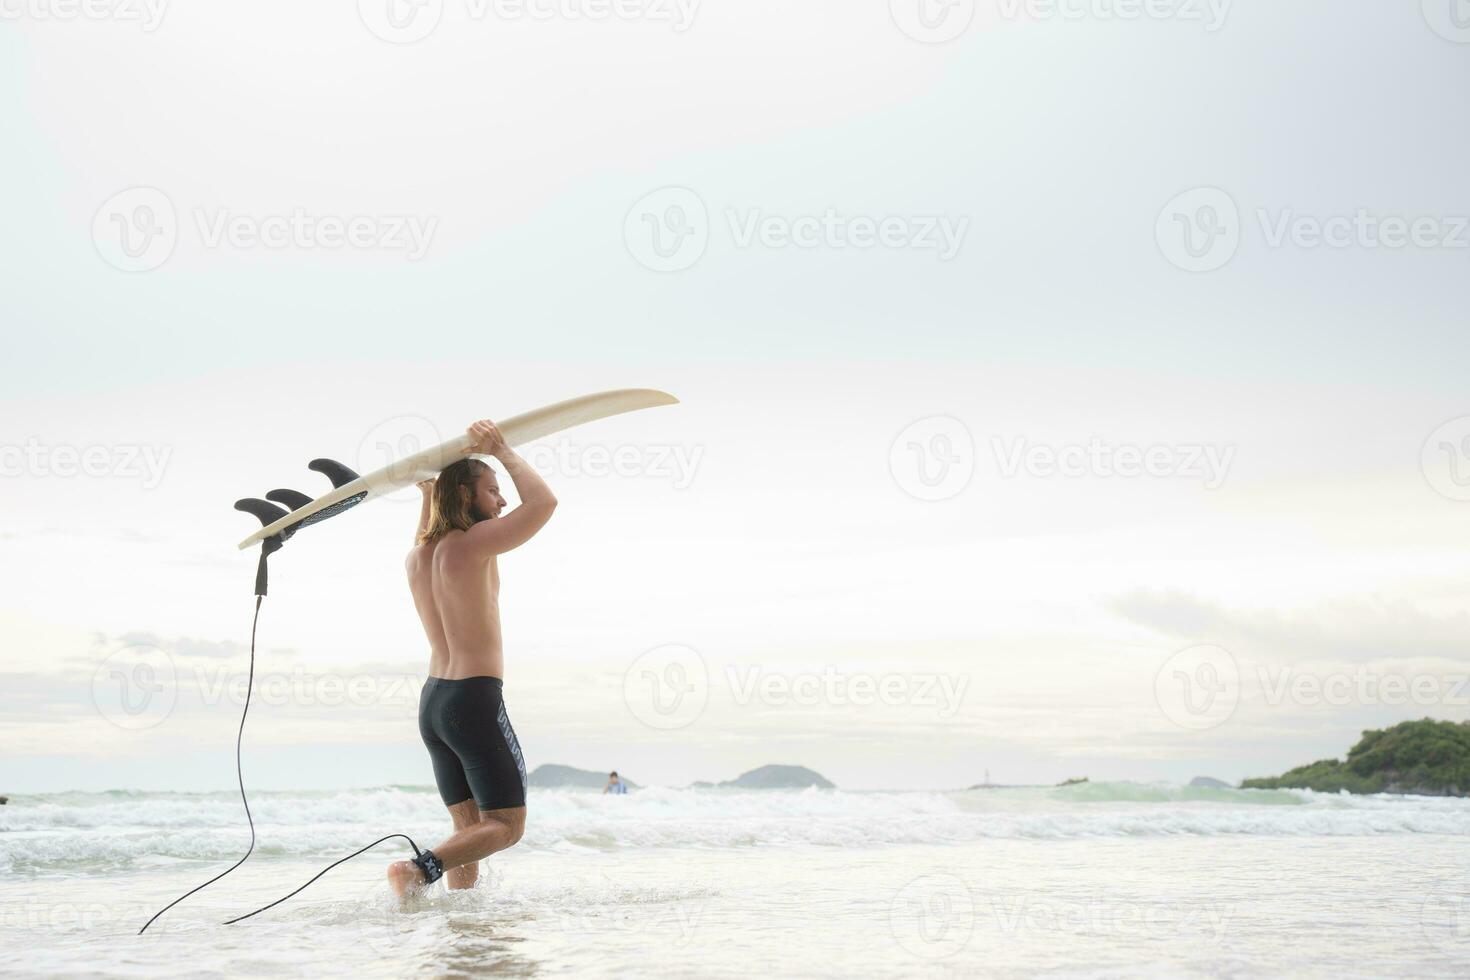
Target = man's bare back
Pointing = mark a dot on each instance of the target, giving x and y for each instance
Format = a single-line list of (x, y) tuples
[(455, 579), (457, 594)]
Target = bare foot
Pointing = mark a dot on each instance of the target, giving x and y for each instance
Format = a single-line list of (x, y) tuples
[(406, 879)]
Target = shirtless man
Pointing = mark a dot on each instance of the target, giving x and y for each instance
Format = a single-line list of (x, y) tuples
[(455, 581)]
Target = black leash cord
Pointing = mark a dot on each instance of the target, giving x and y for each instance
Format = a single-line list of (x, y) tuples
[(239, 774), (324, 871), (260, 590)]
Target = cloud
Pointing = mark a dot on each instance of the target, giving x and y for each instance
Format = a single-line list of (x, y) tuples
[(1357, 629)]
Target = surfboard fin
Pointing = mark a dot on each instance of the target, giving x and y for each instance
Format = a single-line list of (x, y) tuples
[(266, 513), (339, 474), (294, 499)]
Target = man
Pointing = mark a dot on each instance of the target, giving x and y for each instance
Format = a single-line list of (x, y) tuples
[(455, 581), (614, 785)]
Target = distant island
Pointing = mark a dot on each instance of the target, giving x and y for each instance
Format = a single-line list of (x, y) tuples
[(773, 777), (1425, 758), (1074, 781), (564, 777), (552, 776)]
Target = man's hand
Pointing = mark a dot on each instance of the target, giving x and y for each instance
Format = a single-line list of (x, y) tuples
[(485, 439)]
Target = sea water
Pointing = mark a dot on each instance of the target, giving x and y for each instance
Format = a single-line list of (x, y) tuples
[(1095, 880)]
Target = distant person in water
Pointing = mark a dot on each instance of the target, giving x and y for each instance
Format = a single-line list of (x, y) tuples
[(614, 785), (455, 581)]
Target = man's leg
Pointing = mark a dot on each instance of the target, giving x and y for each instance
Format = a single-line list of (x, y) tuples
[(464, 815), (494, 831)]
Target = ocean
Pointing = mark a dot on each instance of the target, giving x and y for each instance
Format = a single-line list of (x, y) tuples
[(1093, 880)]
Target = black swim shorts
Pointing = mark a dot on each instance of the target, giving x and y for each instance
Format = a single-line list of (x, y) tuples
[(471, 744)]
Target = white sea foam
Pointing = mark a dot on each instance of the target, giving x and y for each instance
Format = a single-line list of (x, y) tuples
[(134, 830)]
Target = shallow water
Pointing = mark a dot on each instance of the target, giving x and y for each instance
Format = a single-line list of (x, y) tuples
[(1096, 880)]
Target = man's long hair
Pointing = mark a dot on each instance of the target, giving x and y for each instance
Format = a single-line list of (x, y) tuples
[(452, 507)]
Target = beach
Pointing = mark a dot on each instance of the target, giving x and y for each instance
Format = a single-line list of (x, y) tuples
[(1095, 880)]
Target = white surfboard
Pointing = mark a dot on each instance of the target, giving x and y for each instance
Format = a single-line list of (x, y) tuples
[(350, 489)]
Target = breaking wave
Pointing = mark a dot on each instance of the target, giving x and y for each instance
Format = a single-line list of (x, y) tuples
[(87, 832)]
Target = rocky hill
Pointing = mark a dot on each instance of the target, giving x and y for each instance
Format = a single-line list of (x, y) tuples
[(1426, 757), (566, 777)]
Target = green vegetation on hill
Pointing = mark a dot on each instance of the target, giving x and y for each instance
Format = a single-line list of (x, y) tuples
[(1426, 757)]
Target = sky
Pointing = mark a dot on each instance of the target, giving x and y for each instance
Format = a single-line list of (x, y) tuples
[(1062, 392)]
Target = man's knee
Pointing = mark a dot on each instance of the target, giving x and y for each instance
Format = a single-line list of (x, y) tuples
[(509, 827)]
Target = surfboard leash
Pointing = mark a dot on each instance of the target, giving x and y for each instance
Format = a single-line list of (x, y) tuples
[(269, 513), (239, 772)]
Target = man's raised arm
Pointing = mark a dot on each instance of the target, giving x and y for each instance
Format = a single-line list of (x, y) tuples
[(537, 500)]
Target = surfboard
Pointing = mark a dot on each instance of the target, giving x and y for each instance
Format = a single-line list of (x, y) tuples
[(349, 489)]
